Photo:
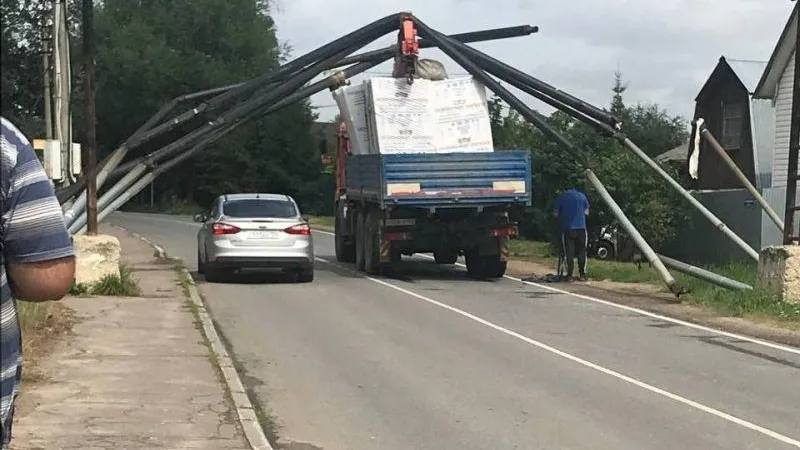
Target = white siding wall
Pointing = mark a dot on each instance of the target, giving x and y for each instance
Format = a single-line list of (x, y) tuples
[(770, 234), (783, 119)]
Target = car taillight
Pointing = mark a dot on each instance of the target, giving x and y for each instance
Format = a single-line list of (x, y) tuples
[(224, 228), (301, 229)]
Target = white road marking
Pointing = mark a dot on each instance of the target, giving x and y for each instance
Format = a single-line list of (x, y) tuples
[(654, 389), (642, 312)]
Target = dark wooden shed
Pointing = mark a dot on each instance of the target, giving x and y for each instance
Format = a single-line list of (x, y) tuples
[(725, 103)]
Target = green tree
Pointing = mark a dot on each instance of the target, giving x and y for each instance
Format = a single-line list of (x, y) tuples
[(654, 207), (21, 80), (152, 51)]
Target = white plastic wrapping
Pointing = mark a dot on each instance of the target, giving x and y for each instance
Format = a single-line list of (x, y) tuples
[(387, 115), (351, 101), (398, 115), (462, 115)]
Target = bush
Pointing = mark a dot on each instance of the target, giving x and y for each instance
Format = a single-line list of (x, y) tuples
[(117, 285)]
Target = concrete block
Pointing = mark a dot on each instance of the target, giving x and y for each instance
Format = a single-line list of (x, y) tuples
[(96, 257), (779, 271)]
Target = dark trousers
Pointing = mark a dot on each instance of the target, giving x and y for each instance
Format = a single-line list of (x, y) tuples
[(573, 243)]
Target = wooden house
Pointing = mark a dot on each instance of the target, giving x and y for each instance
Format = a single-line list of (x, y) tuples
[(743, 125)]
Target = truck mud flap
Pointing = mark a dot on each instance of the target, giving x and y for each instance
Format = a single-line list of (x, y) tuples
[(503, 246), (386, 251)]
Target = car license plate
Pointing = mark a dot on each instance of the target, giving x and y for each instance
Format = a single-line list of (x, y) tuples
[(264, 234)]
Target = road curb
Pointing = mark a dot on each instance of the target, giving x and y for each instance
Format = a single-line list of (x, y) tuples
[(244, 408)]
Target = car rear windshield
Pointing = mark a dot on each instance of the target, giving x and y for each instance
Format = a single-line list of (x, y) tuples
[(259, 208)]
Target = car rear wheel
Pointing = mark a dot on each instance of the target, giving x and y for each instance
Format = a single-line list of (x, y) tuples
[(306, 275), (213, 275), (201, 266)]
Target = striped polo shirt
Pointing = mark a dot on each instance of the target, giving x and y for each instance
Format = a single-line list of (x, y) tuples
[(32, 229)]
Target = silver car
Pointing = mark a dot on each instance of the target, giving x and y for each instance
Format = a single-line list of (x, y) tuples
[(254, 231)]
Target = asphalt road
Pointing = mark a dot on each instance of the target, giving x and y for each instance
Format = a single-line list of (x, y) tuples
[(434, 360)]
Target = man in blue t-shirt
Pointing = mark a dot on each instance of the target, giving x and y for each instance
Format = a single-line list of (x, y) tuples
[(572, 207)]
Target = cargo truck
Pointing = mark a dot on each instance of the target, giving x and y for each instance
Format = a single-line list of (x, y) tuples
[(448, 204)]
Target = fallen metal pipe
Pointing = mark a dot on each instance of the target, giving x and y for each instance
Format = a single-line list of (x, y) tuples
[(337, 79), (369, 33), (474, 36), (334, 80), (107, 197), (368, 57), (537, 88), (641, 243), (512, 77), (113, 160), (704, 274), (509, 73), (258, 101), (152, 175), (447, 46), (695, 202), (706, 133)]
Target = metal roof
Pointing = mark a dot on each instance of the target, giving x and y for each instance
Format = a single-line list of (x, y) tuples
[(748, 72), (679, 153), (784, 49)]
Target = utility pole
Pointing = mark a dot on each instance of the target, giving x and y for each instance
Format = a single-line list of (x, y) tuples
[(89, 132), (48, 101)]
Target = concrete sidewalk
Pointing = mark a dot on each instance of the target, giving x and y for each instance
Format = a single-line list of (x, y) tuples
[(134, 373)]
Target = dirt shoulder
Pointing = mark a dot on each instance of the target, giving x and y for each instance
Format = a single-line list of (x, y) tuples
[(45, 326)]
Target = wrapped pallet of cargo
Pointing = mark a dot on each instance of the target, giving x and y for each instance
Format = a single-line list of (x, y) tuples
[(399, 115), (352, 106), (430, 181)]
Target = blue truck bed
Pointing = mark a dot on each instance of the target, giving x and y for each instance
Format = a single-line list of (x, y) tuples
[(428, 180)]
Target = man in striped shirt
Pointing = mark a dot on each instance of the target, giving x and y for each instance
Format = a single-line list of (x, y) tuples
[(36, 255)]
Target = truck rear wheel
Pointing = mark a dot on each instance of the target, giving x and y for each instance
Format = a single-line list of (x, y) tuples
[(345, 251), (360, 241), (372, 239), (499, 269), (485, 267)]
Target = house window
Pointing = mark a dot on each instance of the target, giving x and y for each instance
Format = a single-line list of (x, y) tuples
[(732, 125)]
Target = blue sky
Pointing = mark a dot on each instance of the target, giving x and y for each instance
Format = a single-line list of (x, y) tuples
[(665, 48)]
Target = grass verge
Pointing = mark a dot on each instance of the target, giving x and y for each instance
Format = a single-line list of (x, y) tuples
[(755, 304), (41, 323), (321, 221), (267, 422), (115, 285)]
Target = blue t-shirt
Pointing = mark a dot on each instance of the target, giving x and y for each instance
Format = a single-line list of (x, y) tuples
[(571, 207)]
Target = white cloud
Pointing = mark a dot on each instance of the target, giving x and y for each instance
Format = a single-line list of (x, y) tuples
[(665, 49)]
